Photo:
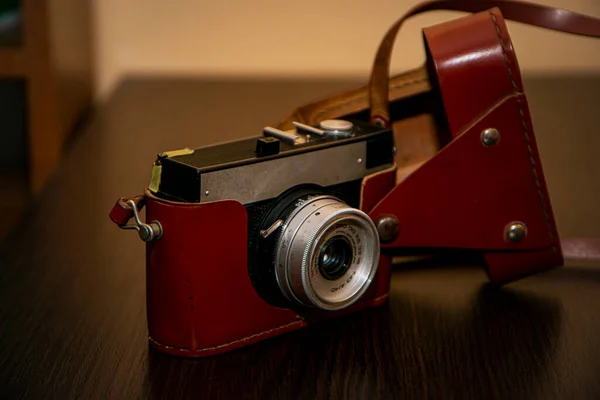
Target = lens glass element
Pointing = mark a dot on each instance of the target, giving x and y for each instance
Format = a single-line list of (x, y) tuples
[(335, 258)]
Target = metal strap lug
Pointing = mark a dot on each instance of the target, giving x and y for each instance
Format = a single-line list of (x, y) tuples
[(146, 232)]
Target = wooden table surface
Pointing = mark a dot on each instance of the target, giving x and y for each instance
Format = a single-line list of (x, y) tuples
[(72, 305)]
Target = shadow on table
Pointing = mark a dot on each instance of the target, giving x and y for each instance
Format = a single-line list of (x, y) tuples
[(498, 342)]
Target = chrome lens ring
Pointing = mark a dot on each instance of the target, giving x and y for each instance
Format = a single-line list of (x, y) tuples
[(301, 256), (284, 254)]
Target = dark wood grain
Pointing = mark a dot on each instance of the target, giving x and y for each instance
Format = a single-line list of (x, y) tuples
[(72, 306)]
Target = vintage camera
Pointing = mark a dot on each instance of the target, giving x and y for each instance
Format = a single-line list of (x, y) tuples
[(256, 237), (250, 239)]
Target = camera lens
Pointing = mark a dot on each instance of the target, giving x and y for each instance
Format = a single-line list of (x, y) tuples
[(335, 258), (327, 253)]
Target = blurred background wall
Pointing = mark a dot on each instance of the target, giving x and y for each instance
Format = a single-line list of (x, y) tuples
[(292, 38)]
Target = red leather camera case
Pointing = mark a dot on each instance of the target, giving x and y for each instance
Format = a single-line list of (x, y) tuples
[(200, 300), (467, 194)]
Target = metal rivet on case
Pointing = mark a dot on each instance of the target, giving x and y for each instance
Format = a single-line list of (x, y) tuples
[(490, 136), (516, 231), (206, 193), (359, 161), (388, 228)]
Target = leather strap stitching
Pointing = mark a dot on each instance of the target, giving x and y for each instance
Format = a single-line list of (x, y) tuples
[(525, 130)]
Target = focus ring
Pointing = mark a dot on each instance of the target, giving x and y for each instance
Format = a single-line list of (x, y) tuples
[(315, 222)]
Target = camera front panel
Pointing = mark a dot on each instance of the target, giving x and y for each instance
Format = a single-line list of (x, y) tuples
[(262, 245)]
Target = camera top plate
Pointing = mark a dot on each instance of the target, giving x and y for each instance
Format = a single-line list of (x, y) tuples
[(243, 168)]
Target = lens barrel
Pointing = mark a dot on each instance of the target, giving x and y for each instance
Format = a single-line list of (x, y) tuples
[(327, 253)]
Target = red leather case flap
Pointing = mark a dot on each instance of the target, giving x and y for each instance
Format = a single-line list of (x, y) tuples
[(467, 195), (474, 63)]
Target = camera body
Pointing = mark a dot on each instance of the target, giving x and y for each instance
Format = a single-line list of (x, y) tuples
[(265, 235)]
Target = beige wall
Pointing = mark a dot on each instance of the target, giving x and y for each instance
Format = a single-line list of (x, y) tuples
[(283, 38)]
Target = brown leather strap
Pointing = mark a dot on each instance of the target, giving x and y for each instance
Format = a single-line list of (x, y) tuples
[(527, 13)]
